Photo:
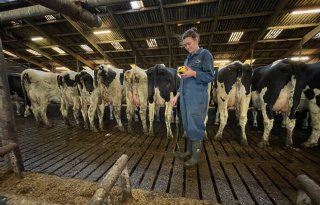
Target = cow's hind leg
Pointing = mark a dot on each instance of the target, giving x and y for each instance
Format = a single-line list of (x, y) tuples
[(143, 116), (76, 110), (64, 112), (254, 117), (117, 115), (151, 118), (84, 111), (100, 112), (223, 110), (268, 124), (168, 119), (243, 118), (290, 123), (91, 111), (43, 114), (130, 113), (36, 114), (315, 124)]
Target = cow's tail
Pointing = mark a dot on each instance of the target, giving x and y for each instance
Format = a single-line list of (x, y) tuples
[(238, 87), (27, 103)]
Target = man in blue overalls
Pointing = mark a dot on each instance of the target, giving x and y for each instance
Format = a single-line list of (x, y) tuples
[(193, 92)]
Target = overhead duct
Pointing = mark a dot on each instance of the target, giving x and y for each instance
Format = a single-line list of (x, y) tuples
[(74, 11), (66, 7)]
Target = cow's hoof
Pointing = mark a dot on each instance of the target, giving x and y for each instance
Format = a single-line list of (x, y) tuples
[(93, 129), (263, 144), (255, 124), (184, 134), (305, 127), (151, 134), (309, 145), (218, 137), (85, 127), (244, 143), (49, 126), (170, 136), (121, 129), (205, 135), (130, 129), (216, 123)]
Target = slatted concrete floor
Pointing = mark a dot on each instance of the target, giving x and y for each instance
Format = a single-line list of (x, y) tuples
[(228, 173)]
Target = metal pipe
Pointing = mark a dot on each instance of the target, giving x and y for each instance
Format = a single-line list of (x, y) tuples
[(7, 122), (74, 11), (39, 10), (310, 188)]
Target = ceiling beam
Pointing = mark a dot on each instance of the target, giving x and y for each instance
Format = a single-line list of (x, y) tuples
[(294, 26), (57, 43), (90, 41), (278, 9), (35, 48), (214, 23), (38, 10), (27, 59), (166, 31), (139, 57), (304, 40)]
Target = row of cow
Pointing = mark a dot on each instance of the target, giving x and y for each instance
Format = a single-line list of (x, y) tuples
[(90, 91), (283, 86)]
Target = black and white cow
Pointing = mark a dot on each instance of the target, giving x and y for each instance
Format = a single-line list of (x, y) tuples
[(233, 89), (16, 94), (310, 100), (136, 85), (110, 88), (69, 96), (41, 88), (277, 88), (163, 83), (88, 94)]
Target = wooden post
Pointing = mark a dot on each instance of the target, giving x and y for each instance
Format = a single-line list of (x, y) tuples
[(119, 168), (308, 192), (7, 121)]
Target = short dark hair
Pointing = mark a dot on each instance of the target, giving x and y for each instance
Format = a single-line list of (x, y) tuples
[(192, 32)]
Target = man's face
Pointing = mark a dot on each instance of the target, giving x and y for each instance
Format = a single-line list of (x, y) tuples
[(190, 44)]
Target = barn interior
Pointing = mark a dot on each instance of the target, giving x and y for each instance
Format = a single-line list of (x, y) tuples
[(145, 33)]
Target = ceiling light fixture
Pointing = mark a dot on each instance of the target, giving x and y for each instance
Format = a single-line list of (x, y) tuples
[(86, 48), (136, 4), (33, 52), (10, 54), (58, 50), (235, 36), (306, 11), (302, 58), (273, 33), (37, 38), (102, 32), (152, 43), (117, 45)]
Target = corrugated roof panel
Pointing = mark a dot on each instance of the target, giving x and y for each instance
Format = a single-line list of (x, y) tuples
[(289, 19), (231, 7), (146, 32), (146, 17), (302, 3), (190, 12), (238, 24)]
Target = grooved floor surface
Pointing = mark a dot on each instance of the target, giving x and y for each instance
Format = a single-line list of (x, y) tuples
[(228, 173)]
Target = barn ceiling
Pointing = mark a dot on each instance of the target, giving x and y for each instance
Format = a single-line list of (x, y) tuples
[(126, 32)]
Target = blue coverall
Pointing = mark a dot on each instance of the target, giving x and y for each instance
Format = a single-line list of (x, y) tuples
[(194, 93)]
